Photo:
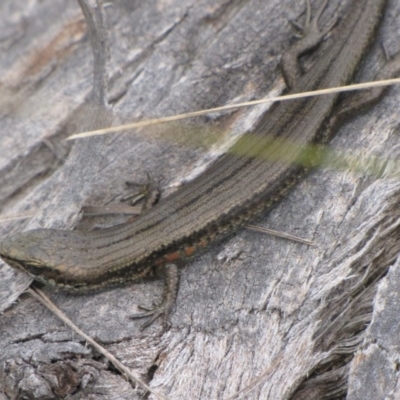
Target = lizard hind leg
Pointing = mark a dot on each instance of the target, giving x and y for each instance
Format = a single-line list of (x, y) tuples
[(356, 103), (359, 101), (311, 37)]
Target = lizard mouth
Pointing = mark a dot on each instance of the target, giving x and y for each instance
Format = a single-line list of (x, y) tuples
[(34, 270), (14, 263)]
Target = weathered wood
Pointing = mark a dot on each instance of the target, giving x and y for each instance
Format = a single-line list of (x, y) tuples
[(282, 318)]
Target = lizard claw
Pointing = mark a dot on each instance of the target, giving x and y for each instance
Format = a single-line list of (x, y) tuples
[(149, 192), (154, 312), (311, 37), (164, 309)]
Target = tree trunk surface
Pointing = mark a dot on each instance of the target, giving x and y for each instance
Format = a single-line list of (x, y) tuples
[(267, 317)]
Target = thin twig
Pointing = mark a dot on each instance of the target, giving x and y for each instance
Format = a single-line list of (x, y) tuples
[(15, 217), (40, 296), (348, 88), (280, 234)]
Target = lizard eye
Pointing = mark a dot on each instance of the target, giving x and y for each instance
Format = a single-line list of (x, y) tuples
[(35, 269)]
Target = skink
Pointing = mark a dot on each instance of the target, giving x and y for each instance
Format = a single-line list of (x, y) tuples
[(252, 177)]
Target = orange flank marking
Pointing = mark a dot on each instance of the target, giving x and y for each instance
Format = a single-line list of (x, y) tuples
[(159, 261), (172, 256), (176, 255), (190, 250), (203, 242)]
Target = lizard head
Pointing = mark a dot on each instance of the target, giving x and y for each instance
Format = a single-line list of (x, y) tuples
[(43, 254), (24, 252)]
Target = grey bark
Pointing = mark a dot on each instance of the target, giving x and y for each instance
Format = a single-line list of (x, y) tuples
[(274, 318)]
